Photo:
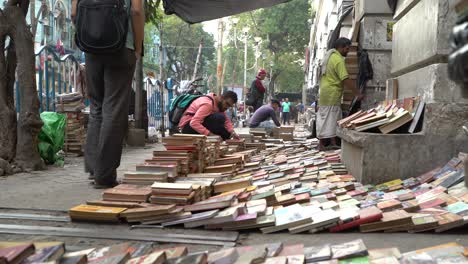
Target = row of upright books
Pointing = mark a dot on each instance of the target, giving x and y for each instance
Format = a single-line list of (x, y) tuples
[(395, 116), (290, 187), (354, 251)]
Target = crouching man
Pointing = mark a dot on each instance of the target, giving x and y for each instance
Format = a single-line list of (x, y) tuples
[(261, 117), (206, 116)]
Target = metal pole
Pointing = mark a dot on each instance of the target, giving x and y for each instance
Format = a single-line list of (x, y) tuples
[(222, 76), (219, 69), (245, 72), (198, 60), (161, 77)]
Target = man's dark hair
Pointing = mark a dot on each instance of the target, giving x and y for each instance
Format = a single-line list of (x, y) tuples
[(275, 101), (342, 42), (230, 94)]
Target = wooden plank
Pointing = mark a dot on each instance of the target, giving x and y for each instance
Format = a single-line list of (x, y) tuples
[(118, 235)]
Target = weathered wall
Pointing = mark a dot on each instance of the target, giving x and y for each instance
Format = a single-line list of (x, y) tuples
[(373, 33), (371, 7), (421, 36), (432, 84)]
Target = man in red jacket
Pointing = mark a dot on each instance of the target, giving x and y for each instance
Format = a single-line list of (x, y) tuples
[(257, 90), (206, 116)]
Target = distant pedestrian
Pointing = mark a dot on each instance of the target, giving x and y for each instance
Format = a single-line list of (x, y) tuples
[(109, 78), (286, 111), (257, 90)]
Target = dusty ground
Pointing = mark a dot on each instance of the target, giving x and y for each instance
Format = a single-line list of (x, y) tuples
[(59, 189)]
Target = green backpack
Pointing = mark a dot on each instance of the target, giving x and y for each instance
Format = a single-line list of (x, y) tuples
[(180, 104)]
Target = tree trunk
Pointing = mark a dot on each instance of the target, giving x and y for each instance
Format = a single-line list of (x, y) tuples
[(29, 123), (7, 104), (271, 85)]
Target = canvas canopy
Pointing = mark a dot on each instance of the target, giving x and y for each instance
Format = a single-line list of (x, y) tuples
[(195, 11)]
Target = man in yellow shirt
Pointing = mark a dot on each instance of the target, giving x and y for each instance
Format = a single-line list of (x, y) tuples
[(333, 77)]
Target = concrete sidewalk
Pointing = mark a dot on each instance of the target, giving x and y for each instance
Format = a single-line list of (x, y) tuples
[(61, 188)]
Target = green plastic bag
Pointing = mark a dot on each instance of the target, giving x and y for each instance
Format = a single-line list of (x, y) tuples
[(51, 137)]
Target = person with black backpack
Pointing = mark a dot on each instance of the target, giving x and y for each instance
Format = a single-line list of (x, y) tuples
[(206, 115), (257, 91), (111, 33)]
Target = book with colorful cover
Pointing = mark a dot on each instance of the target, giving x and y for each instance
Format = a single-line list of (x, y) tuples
[(355, 248), (46, 254), (153, 258), (17, 254), (319, 253), (366, 215)]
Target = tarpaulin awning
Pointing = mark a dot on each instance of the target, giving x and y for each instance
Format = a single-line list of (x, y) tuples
[(195, 11)]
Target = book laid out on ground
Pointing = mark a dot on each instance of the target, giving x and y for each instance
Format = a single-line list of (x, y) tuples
[(144, 178), (382, 255), (319, 219), (318, 253), (171, 170), (194, 219), (121, 258), (46, 254), (176, 214), (390, 220), (95, 213), (17, 254), (355, 248), (80, 259), (212, 204), (225, 256), (261, 222), (115, 204), (153, 258), (289, 217), (171, 188), (134, 215), (251, 254), (227, 186), (435, 254), (277, 260), (127, 193), (173, 253)]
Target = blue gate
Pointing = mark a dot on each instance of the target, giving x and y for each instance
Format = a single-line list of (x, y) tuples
[(155, 98), (54, 75)]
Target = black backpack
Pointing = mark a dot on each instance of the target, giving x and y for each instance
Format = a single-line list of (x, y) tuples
[(101, 25)]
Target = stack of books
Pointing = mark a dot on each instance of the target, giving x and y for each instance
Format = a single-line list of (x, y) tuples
[(396, 116), (194, 144), (127, 193), (285, 133), (144, 178), (174, 193), (75, 134)]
